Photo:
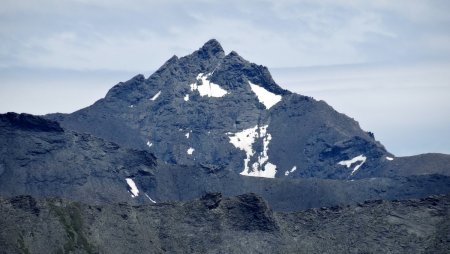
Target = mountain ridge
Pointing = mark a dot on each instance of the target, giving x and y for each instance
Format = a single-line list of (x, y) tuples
[(88, 169)]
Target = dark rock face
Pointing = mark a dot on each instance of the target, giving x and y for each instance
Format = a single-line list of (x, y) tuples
[(25, 203), (250, 213), (180, 115), (28, 122), (212, 200), (243, 224), (64, 163)]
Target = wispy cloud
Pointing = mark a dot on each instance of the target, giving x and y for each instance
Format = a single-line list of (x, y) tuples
[(121, 34)]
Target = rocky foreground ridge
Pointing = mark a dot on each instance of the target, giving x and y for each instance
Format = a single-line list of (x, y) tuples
[(213, 224)]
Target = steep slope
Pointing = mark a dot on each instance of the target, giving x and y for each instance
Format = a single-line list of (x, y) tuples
[(215, 109), (41, 159), (243, 224)]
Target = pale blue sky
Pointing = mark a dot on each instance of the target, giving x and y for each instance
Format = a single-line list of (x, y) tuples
[(384, 63)]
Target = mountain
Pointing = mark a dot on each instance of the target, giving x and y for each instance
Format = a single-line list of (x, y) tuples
[(180, 134), (213, 224), (210, 155), (41, 159), (209, 108)]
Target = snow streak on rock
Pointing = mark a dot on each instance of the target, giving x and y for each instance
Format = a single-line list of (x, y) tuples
[(156, 96), (361, 158), (133, 189), (244, 141), (207, 88), (153, 201)]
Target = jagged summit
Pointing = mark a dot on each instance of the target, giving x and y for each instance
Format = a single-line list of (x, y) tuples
[(208, 108), (230, 72), (212, 47)]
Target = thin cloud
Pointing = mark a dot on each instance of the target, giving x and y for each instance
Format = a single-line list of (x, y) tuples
[(291, 33)]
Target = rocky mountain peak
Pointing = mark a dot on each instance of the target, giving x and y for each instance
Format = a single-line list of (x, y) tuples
[(217, 109), (211, 48)]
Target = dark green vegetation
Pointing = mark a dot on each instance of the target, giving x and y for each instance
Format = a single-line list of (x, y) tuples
[(70, 217)]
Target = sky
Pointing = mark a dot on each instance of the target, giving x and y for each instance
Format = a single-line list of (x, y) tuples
[(384, 63)]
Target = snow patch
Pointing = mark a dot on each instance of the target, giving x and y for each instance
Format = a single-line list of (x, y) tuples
[(269, 171), (133, 189), (186, 97), (244, 141), (187, 135), (292, 170), (389, 158), (190, 150), (156, 96), (153, 201), (348, 163), (265, 97), (149, 144), (207, 88)]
